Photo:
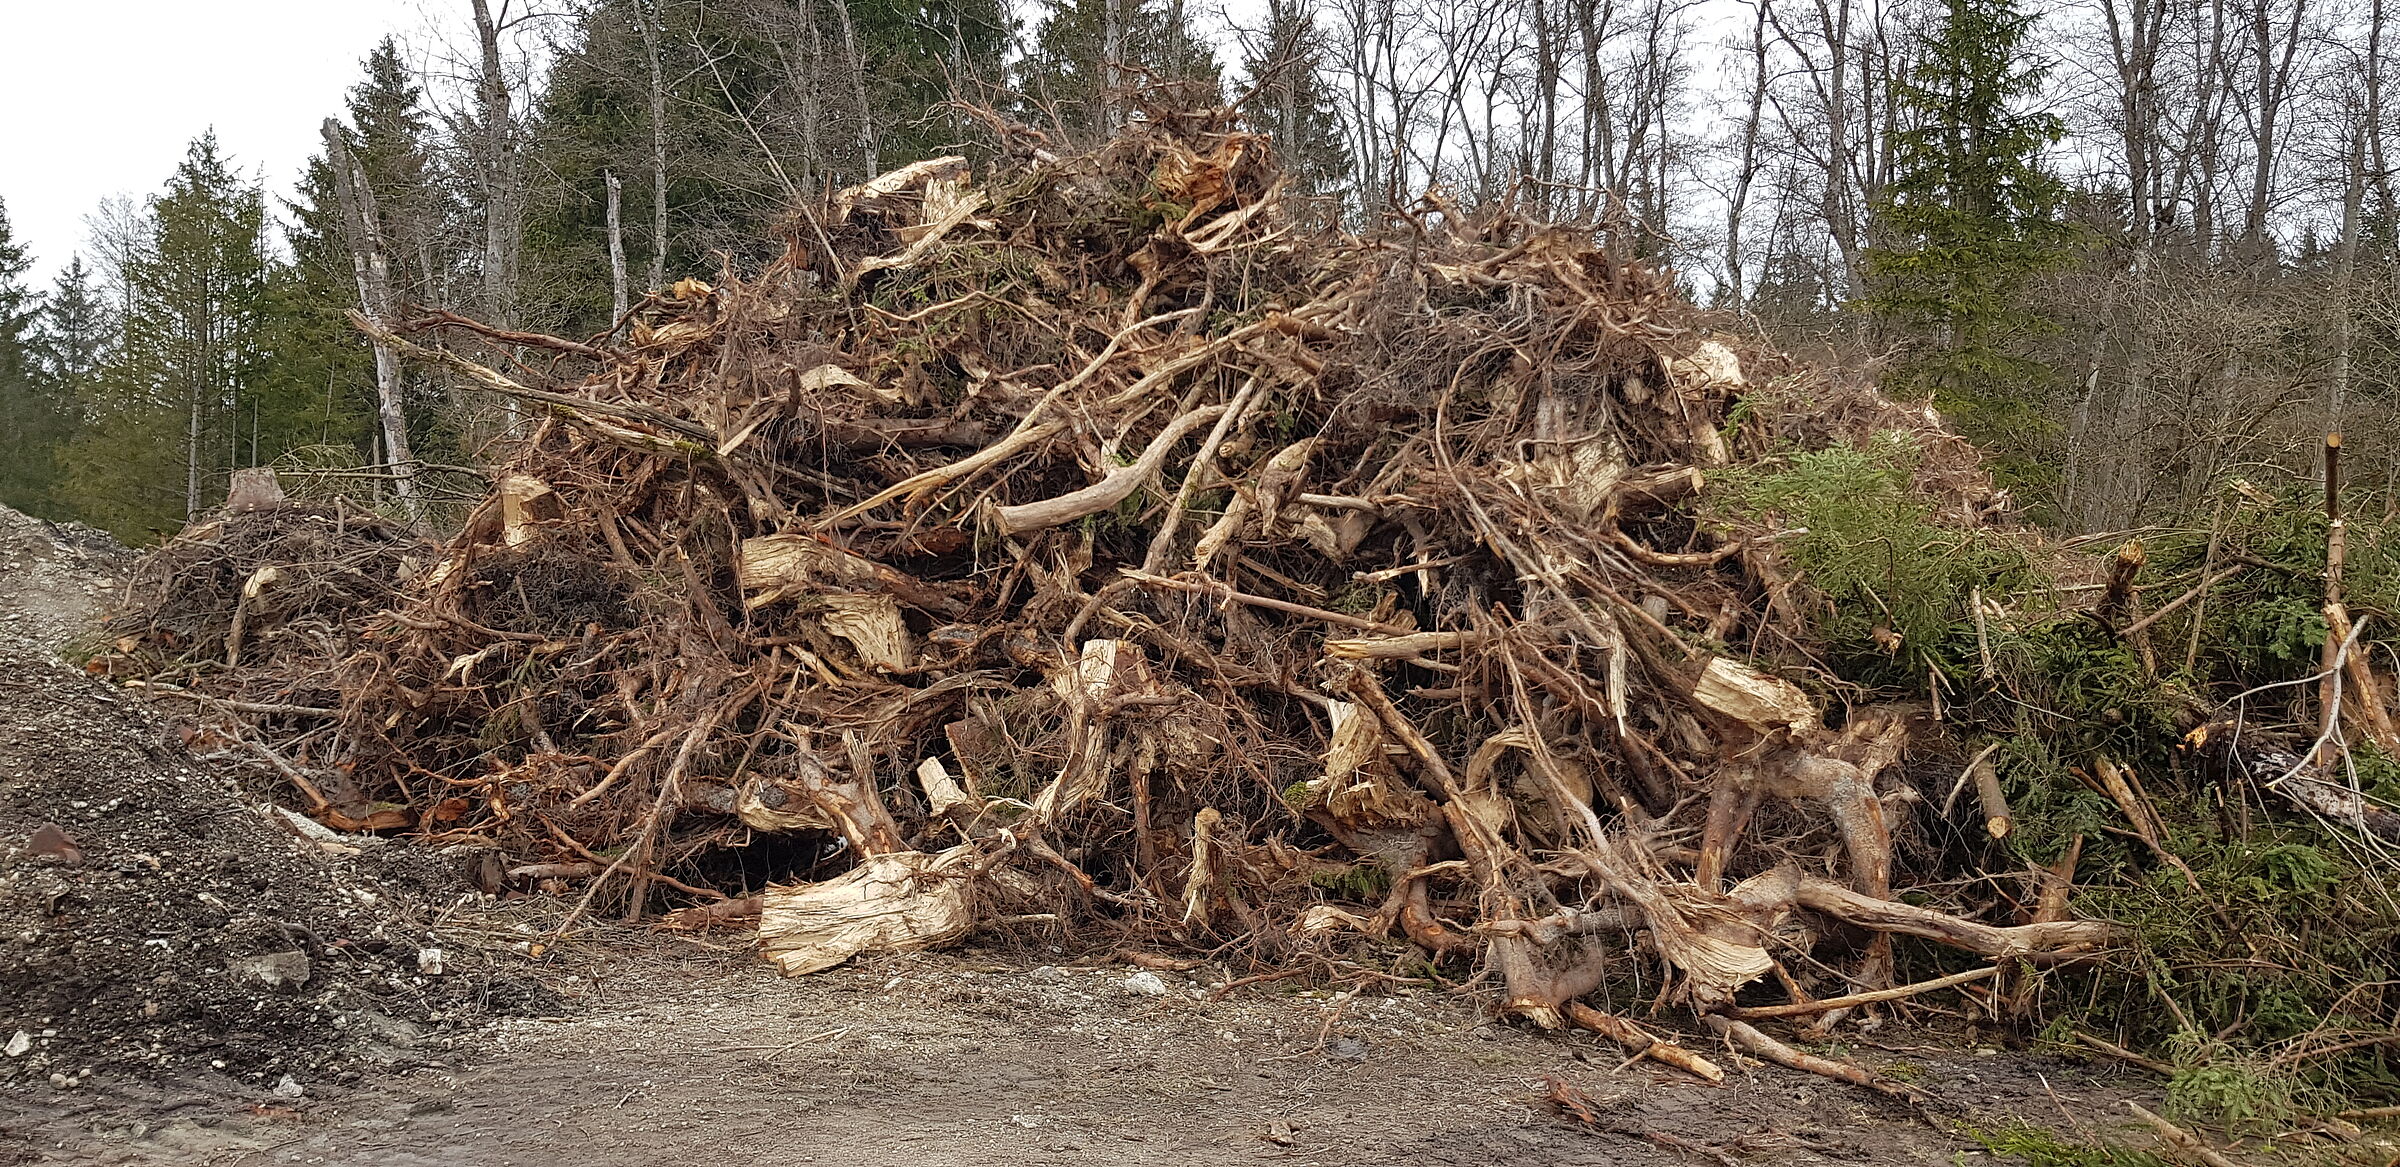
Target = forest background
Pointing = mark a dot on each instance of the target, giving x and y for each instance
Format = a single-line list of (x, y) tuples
[(2135, 248)]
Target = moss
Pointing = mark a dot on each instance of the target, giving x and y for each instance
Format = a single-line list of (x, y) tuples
[(2036, 1147), (1359, 881)]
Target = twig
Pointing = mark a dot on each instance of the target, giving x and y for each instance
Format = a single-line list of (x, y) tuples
[(2198, 590), (1749, 1038), (2122, 1054), (1796, 1008), (2178, 1138), (1222, 592)]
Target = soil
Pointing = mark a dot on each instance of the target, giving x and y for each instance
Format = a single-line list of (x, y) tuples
[(159, 919), (149, 900), (974, 1058)]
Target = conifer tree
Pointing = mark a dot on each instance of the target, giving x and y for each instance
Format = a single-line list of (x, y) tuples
[(77, 326), (1069, 75), (32, 418), (1970, 214), (1283, 75)]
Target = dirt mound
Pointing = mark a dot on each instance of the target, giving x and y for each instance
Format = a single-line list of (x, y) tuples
[(154, 920), (53, 577)]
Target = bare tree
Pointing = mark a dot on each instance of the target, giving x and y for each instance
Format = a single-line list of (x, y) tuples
[(362, 232)]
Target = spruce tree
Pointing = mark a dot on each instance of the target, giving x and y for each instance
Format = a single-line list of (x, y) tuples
[(1970, 214), (32, 418), (78, 326), (1283, 75)]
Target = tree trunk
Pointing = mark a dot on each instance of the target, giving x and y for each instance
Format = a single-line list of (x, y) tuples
[(870, 167), (652, 24), (362, 230), (503, 226), (618, 300)]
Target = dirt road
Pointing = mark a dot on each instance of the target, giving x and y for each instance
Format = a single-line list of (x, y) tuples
[(965, 1059)]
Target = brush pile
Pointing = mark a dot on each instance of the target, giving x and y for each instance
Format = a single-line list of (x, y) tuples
[(1095, 538)]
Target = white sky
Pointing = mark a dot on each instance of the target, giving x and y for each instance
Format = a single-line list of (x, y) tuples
[(103, 95)]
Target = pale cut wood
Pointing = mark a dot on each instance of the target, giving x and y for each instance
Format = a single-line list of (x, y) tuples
[(1762, 702), (897, 902)]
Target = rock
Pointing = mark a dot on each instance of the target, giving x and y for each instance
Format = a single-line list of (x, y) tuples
[(1346, 1049), (429, 961), (273, 970), (51, 843), (17, 1045), (1146, 983), (288, 1087)]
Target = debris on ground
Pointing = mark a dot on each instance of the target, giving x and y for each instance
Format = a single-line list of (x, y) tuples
[(161, 920), (59, 576), (1085, 541)]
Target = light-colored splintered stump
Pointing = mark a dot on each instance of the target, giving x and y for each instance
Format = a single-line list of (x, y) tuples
[(1747, 1038), (897, 902), (1641, 1043), (2179, 1139)]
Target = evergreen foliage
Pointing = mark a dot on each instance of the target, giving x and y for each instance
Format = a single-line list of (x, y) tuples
[(1971, 212), (764, 104), (33, 415), (185, 397), (1066, 75)]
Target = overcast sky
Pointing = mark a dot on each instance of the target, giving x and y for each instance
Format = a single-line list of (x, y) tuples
[(103, 95)]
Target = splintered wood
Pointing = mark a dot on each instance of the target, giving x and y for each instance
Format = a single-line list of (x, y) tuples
[(1090, 537)]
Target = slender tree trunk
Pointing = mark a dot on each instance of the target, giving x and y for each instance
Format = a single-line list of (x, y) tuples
[(618, 300), (653, 18), (2345, 273), (812, 102), (500, 226), (191, 451), (1112, 52), (1746, 165), (858, 93), (503, 209)]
